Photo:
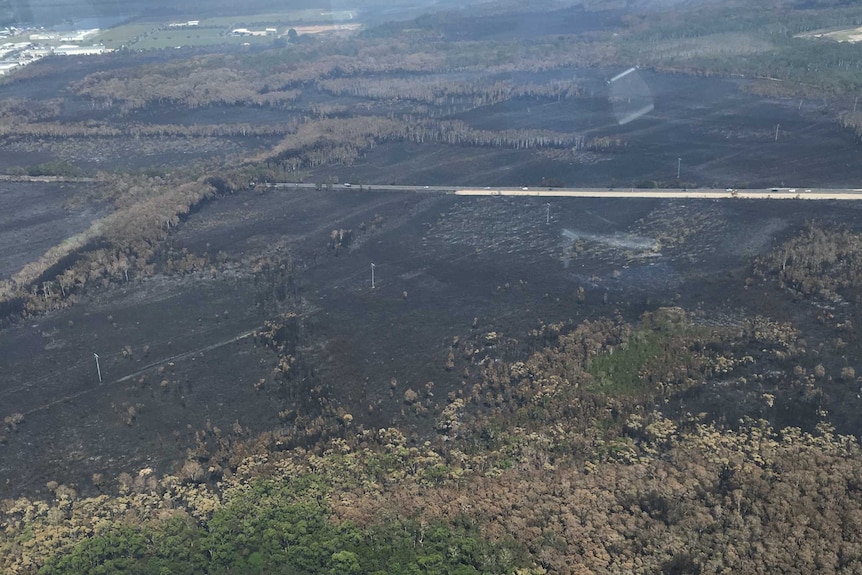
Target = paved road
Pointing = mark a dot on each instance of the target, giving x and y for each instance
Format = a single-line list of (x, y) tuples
[(46, 179), (699, 193)]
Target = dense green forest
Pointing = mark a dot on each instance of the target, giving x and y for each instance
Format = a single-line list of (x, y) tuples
[(285, 526)]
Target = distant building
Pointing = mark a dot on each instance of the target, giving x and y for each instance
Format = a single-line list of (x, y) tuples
[(79, 35), (35, 53), (10, 49), (73, 50), (247, 32), (189, 24)]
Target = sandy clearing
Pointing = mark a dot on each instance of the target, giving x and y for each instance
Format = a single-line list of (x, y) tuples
[(300, 30)]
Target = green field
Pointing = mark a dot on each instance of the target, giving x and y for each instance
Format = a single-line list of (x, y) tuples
[(295, 17), (125, 35), (159, 39), (154, 35)]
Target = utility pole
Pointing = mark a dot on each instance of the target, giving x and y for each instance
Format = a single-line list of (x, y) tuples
[(678, 167), (98, 369), (548, 218), (372, 276), (855, 103), (776, 131)]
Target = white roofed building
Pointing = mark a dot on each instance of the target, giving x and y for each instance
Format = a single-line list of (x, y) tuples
[(73, 50)]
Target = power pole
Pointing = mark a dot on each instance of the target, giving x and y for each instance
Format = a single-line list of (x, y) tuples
[(776, 131), (855, 103), (548, 218), (98, 369), (678, 167), (372, 276)]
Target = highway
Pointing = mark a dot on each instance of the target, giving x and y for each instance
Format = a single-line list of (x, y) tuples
[(693, 194), (783, 193)]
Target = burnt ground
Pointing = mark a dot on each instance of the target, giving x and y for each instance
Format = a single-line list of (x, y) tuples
[(37, 216), (724, 136), (440, 262)]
